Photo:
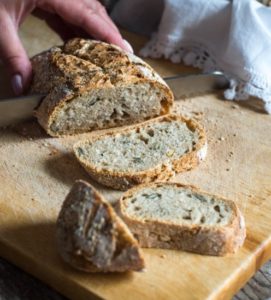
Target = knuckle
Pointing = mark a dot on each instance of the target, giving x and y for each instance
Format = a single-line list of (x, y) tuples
[(96, 7), (17, 62), (101, 9), (85, 17)]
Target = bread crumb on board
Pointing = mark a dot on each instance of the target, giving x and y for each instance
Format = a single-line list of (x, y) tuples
[(53, 152), (196, 115)]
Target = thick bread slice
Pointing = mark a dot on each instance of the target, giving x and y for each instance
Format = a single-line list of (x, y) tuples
[(91, 237), (176, 216), (93, 85), (154, 150)]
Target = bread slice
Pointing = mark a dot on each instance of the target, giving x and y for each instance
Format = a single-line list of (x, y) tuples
[(176, 216), (93, 85), (91, 237), (154, 150)]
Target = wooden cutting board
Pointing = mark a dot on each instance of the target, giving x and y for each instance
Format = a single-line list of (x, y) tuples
[(36, 172)]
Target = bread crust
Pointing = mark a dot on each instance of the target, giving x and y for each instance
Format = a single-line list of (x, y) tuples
[(163, 172), (79, 66), (91, 237), (203, 239)]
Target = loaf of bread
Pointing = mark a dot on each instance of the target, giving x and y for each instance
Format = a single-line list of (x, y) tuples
[(175, 216), (154, 150), (93, 85), (91, 237)]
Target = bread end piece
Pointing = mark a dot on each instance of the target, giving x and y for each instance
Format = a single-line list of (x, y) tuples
[(91, 237), (198, 238)]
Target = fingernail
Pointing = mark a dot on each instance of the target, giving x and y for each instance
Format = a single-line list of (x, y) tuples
[(128, 46), (17, 84)]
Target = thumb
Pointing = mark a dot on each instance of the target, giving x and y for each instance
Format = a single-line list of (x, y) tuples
[(14, 56)]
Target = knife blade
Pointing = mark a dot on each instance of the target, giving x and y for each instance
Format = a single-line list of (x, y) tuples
[(14, 110), (193, 84)]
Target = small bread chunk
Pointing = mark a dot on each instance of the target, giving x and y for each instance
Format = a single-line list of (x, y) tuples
[(91, 237), (93, 85), (154, 150), (175, 216)]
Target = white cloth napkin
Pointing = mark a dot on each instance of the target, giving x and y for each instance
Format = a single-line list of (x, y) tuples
[(215, 35)]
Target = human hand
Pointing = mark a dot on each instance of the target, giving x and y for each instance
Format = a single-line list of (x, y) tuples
[(72, 16)]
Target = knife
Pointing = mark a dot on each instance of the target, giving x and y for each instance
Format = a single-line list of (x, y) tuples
[(191, 84), (14, 110)]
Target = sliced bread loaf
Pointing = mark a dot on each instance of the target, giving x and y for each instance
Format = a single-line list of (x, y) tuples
[(92, 85), (91, 237), (154, 150), (175, 216)]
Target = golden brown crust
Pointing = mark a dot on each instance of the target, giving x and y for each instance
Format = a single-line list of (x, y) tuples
[(64, 73), (163, 172), (202, 239), (91, 237)]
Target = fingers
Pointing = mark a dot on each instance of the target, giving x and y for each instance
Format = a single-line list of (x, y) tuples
[(13, 55), (90, 16)]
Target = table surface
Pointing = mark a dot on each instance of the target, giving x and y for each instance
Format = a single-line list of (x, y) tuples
[(15, 284)]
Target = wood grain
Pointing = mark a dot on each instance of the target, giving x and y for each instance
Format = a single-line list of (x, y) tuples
[(36, 173)]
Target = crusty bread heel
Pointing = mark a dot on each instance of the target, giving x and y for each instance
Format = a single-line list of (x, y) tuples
[(91, 237)]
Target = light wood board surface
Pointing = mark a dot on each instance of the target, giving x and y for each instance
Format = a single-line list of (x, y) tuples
[(36, 173)]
